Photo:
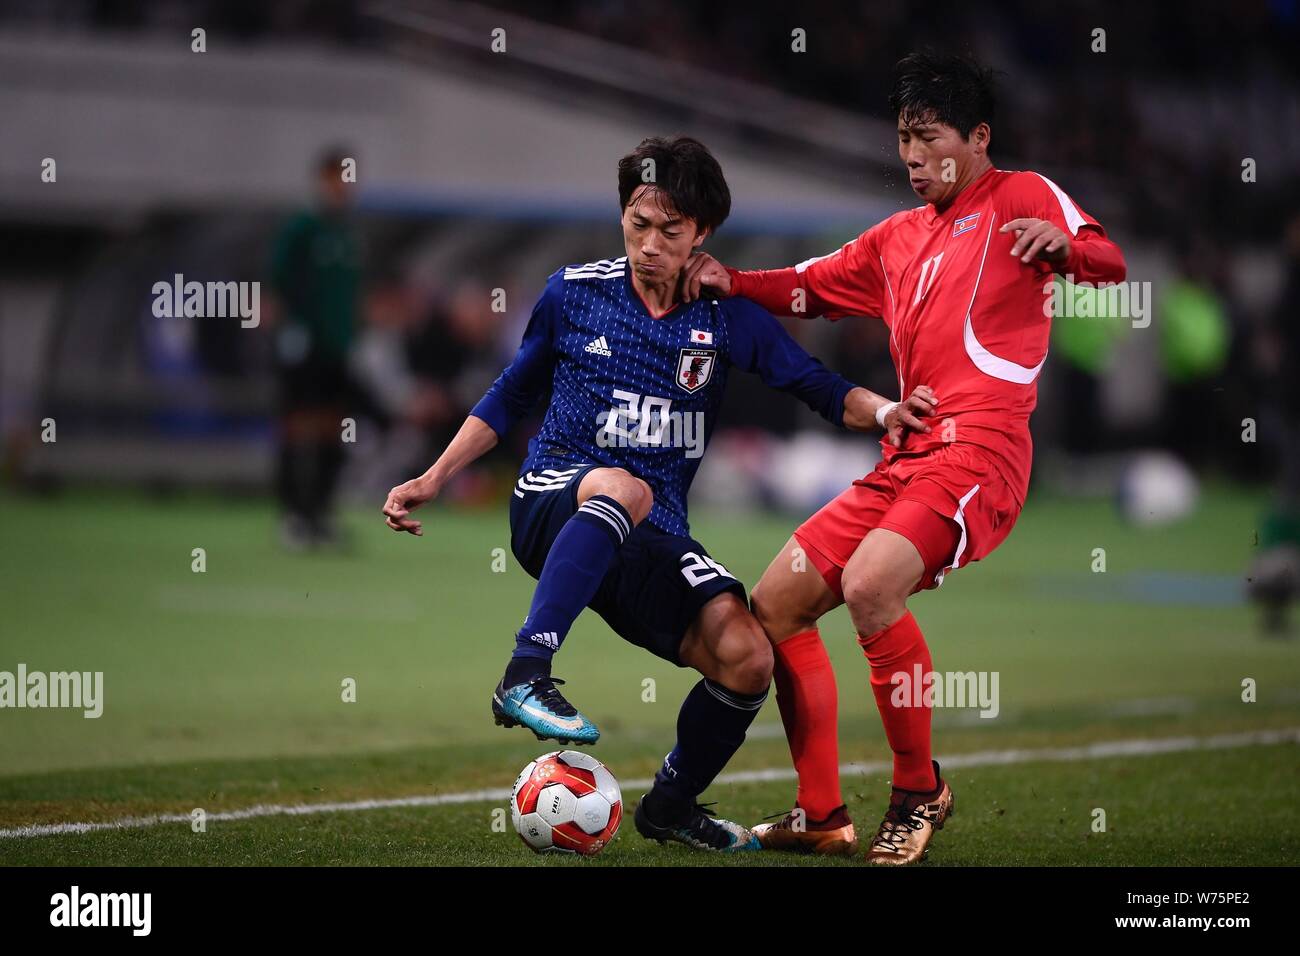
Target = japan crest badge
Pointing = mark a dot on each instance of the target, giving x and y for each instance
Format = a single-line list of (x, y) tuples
[(695, 368)]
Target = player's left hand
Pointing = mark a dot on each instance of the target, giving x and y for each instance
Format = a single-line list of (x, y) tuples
[(1038, 239)]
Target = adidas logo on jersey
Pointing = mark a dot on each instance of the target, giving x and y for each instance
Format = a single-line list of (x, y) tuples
[(599, 347), (601, 269), (547, 639)]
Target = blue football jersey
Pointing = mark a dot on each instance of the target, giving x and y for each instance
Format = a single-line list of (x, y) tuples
[(633, 391)]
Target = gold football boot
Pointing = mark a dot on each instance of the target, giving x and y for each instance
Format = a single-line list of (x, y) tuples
[(909, 824), (833, 836)]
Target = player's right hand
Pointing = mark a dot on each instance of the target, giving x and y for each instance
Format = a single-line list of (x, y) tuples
[(404, 499), (906, 415), (704, 275)]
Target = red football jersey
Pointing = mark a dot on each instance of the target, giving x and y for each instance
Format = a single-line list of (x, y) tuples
[(965, 317)]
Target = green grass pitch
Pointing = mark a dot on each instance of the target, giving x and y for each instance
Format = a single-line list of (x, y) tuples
[(223, 691)]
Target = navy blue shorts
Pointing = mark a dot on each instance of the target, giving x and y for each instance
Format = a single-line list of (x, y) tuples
[(658, 581)]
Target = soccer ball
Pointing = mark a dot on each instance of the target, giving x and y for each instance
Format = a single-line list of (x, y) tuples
[(566, 802)]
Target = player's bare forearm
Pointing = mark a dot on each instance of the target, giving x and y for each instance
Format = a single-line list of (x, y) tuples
[(474, 439), (860, 407)]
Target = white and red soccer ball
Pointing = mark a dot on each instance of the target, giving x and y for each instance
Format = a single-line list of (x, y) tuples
[(566, 802)]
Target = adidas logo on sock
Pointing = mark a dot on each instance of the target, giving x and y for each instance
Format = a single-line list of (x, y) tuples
[(546, 639), (599, 347)]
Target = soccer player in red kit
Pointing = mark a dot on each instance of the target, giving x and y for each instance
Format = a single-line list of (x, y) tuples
[(962, 283)]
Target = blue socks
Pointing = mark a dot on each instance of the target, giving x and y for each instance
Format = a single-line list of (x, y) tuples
[(711, 726), (578, 561)]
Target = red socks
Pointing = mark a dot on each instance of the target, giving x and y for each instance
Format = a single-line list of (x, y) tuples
[(809, 700), (901, 648)]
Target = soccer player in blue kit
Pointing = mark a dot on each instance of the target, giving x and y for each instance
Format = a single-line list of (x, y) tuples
[(598, 514)]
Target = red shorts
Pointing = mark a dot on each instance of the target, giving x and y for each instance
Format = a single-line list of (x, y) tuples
[(951, 503)]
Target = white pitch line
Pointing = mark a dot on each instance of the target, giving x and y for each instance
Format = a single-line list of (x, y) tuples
[(982, 758)]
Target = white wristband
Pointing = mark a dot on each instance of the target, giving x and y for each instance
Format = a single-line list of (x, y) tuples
[(884, 410)]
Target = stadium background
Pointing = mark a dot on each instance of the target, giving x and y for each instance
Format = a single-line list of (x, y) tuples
[(482, 171)]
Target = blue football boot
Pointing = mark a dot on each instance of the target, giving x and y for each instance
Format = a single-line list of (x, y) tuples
[(698, 830), (542, 709)]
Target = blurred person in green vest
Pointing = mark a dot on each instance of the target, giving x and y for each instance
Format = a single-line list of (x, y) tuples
[(1273, 579), (1085, 332), (1194, 330), (316, 276)]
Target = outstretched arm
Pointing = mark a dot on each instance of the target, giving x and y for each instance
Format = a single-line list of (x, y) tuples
[(474, 440), (848, 281), (759, 344), (773, 289)]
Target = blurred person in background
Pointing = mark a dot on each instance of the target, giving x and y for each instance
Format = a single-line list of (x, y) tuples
[(453, 352), (1195, 338), (1274, 575), (316, 276), (425, 358)]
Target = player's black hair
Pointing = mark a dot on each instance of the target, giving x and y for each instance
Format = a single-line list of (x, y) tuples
[(953, 90), (685, 174)]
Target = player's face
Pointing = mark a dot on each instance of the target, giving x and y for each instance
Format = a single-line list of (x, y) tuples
[(939, 160), (657, 239)]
